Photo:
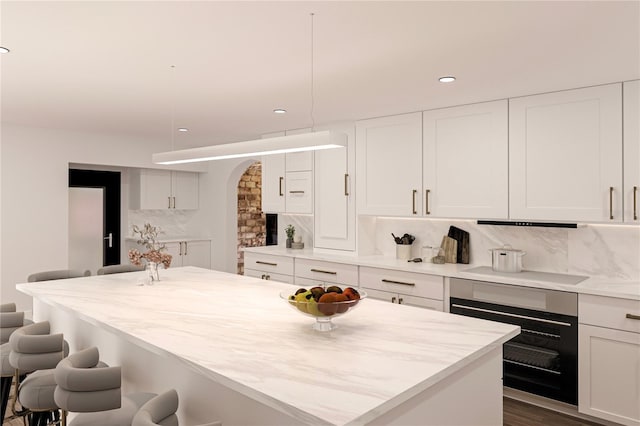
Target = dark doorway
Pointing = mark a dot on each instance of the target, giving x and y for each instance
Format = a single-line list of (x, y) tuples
[(110, 182)]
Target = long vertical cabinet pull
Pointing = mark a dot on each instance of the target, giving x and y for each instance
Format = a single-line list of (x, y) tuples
[(413, 195), (346, 184), (611, 203), (280, 186), (174, 202), (635, 203), (426, 203), (169, 198), (186, 245), (180, 248)]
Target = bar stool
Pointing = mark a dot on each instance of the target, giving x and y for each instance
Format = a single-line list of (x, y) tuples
[(117, 269), (10, 321), (60, 274), (35, 352), (161, 411), (88, 386)]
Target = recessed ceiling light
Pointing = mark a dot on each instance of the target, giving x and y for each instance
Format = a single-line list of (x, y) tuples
[(447, 79), (183, 129), (4, 50), (280, 111)]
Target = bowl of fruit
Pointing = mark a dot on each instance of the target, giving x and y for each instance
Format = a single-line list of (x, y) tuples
[(324, 303)]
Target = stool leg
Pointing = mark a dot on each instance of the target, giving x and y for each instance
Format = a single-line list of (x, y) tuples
[(5, 390)]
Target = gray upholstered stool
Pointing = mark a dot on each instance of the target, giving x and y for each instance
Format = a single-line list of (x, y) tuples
[(89, 387), (10, 321), (161, 411), (36, 352), (60, 274), (117, 269)]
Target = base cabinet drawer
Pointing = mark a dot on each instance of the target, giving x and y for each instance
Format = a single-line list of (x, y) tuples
[(406, 283), (611, 312), (269, 263), (609, 374), (288, 279), (402, 299), (327, 272)]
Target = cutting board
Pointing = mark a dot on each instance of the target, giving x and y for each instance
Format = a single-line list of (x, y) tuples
[(462, 237), (450, 247)]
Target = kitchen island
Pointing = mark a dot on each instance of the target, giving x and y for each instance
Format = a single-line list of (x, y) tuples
[(236, 352)]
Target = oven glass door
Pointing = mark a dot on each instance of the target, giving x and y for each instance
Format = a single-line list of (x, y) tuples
[(542, 359)]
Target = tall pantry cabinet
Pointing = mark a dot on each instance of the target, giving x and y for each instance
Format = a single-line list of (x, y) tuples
[(631, 136)]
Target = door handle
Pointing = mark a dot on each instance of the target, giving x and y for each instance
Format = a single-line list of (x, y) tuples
[(635, 203), (280, 186), (180, 254), (169, 198), (346, 184), (426, 203), (611, 203), (110, 239), (186, 246), (413, 207)]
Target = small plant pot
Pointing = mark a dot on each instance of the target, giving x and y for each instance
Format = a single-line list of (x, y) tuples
[(288, 242)]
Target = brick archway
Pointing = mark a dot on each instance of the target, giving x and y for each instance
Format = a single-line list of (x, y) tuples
[(251, 220)]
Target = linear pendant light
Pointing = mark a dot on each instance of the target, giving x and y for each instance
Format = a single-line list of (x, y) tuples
[(278, 145)]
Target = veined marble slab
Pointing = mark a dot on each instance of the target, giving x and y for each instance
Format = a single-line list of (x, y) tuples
[(238, 331)]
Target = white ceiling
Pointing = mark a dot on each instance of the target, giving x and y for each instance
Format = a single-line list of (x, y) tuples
[(106, 66)]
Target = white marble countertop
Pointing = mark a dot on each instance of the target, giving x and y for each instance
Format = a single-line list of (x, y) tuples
[(237, 331), (596, 285)]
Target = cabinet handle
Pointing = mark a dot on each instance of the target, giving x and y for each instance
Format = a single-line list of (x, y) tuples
[(635, 203), (262, 276), (393, 299), (186, 246), (266, 263), (346, 184), (169, 198), (413, 207), (400, 300), (384, 280), (611, 203), (323, 272), (180, 254), (268, 277), (280, 186), (426, 203), (174, 202), (296, 192), (633, 317)]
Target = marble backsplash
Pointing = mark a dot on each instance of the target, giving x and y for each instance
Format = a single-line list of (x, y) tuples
[(303, 225), (171, 222), (607, 251)]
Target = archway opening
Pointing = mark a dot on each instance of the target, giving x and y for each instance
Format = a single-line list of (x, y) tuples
[(251, 220)]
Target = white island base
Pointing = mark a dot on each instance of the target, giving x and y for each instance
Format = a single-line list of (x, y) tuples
[(417, 367)]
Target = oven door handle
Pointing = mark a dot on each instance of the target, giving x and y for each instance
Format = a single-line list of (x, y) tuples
[(506, 314)]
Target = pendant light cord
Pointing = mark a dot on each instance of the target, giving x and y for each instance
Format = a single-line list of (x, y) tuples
[(313, 123), (173, 106)]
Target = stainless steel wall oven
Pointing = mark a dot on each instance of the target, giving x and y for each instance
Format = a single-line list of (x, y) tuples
[(543, 359)]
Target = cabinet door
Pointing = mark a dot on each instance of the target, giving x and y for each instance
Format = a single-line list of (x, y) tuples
[(465, 164), (389, 165), (298, 161), (565, 155), (299, 197), (196, 253), (185, 190), (631, 110), (334, 207), (175, 250), (609, 374), (151, 189), (273, 183)]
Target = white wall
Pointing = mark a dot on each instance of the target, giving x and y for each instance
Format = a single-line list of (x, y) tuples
[(34, 190)]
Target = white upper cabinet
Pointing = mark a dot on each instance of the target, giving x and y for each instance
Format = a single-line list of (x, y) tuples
[(163, 189), (389, 165), (334, 206), (565, 155), (465, 166), (273, 184), (631, 137)]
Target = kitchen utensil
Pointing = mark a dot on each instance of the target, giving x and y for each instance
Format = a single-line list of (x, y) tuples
[(462, 237), (416, 260), (398, 240), (506, 259)]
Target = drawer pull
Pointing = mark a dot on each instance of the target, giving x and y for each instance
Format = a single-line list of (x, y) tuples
[(384, 280), (635, 203), (413, 207), (296, 192), (393, 299), (633, 317), (266, 263), (400, 301), (324, 272)]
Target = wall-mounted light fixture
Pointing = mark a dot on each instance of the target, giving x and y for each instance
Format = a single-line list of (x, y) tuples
[(279, 145)]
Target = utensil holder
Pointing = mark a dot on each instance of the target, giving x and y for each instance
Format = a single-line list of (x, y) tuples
[(403, 251)]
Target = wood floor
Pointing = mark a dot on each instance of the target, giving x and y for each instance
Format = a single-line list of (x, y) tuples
[(516, 413)]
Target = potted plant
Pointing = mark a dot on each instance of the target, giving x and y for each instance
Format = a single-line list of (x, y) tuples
[(290, 231)]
